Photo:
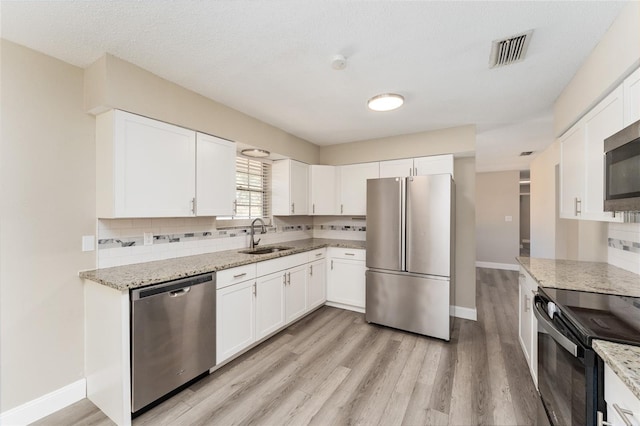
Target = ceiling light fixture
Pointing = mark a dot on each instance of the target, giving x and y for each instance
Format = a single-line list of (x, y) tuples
[(255, 152), (385, 102)]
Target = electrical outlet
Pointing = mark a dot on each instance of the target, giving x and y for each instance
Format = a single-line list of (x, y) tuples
[(508, 218), (148, 238)]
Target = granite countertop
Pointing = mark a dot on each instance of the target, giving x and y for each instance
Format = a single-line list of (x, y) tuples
[(142, 274), (594, 277), (624, 360)]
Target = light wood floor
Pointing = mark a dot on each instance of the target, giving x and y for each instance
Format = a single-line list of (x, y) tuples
[(332, 368)]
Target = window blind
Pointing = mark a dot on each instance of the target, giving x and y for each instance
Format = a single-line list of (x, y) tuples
[(252, 189)]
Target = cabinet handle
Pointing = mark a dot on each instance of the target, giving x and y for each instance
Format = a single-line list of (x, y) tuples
[(332, 265), (235, 207), (311, 270), (349, 254), (527, 303), (240, 275), (284, 278), (600, 420), (293, 207), (313, 208), (289, 277), (318, 254), (623, 413), (193, 205), (415, 171), (255, 289), (341, 208), (577, 206)]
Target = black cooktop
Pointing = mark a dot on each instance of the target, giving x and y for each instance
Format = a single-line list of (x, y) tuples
[(599, 316)]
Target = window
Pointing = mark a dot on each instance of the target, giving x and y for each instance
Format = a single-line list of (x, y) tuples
[(252, 189)]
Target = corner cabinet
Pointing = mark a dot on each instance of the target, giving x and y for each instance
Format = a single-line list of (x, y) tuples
[(353, 187), (289, 188), (148, 168)]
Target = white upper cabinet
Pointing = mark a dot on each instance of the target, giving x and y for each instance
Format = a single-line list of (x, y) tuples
[(322, 190), (353, 187), (396, 168), (145, 168), (601, 122), (215, 176), (632, 98), (582, 161), (290, 186), (433, 165)]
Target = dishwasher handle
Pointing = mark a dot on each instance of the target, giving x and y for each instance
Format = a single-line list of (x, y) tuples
[(173, 288)]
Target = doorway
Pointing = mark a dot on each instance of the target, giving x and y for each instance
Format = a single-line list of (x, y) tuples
[(525, 213)]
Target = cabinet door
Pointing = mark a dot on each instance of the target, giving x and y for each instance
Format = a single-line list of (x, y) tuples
[(433, 165), (353, 187), (346, 282), (601, 122), (572, 172), (532, 286), (317, 284), (289, 188), (524, 316), (322, 190), (215, 176), (632, 98), (396, 168), (235, 319), (154, 168), (269, 304), (296, 292), (618, 393), (299, 188)]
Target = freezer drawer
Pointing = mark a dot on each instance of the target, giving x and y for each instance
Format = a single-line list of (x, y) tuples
[(409, 302)]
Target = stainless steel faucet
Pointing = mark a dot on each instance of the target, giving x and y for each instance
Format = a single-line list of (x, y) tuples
[(254, 243)]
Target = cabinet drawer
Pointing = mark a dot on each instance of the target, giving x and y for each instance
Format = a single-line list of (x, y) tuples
[(226, 277), (317, 254), (281, 263), (343, 253)]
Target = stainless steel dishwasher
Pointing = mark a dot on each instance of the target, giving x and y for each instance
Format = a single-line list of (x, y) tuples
[(173, 336)]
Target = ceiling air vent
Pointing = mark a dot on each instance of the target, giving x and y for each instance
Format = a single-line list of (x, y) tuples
[(509, 50), (525, 153)]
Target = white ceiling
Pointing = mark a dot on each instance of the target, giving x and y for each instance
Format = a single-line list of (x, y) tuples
[(272, 60)]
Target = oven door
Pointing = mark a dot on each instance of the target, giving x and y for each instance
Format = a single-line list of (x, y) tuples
[(566, 371)]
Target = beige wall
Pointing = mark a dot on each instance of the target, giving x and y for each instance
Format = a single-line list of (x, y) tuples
[(498, 195), (454, 140), (445, 141), (544, 209), (114, 83), (615, 56), (48, 203)]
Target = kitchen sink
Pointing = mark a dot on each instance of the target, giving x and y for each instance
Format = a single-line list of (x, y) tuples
[(265, 250)]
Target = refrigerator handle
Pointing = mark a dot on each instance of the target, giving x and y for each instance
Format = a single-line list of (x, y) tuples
[(401, 222)]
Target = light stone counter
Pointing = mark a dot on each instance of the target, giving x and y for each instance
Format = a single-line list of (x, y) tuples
[(594, 277), (142, 274), (624, 360)]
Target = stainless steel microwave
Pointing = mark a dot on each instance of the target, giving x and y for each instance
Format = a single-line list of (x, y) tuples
[(622, 170)]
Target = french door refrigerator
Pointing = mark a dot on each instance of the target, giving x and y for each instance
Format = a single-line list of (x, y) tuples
[(410, 253)]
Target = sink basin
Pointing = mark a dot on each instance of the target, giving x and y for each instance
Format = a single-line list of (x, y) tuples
[(265, 250)]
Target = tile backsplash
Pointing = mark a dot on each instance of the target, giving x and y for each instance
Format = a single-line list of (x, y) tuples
[(624, 246), (121, 241)]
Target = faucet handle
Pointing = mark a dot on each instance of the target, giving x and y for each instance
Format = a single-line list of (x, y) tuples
[(255, 243)]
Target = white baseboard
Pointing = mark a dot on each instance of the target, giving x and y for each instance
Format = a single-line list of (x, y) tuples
[(41, 407), (464, 313), (345, 306), (492, 265)]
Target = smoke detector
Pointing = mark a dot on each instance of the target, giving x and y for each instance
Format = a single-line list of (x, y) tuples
[(509, 50), (339, 62)]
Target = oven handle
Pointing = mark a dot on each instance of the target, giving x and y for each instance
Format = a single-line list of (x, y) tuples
[(562, 340)]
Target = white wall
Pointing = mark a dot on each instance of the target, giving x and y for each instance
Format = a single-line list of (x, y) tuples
[(498, 196), (47, 175)]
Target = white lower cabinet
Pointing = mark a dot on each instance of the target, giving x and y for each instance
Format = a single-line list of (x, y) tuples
[(269, 304), (527, 322), (235, 319), (317, 284), (296, 293), (622, 405), (346, 279)]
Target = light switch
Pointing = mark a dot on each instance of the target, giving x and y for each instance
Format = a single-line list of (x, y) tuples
[(148, 238), (88, 242), (508, 218)]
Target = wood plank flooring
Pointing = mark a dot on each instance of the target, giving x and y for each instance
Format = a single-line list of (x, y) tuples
[(332, 368)]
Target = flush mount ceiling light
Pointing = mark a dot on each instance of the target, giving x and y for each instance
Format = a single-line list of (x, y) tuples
[(255, 153), (385, 102)]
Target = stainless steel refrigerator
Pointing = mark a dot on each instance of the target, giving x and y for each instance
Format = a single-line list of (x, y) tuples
[(410, 253)]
